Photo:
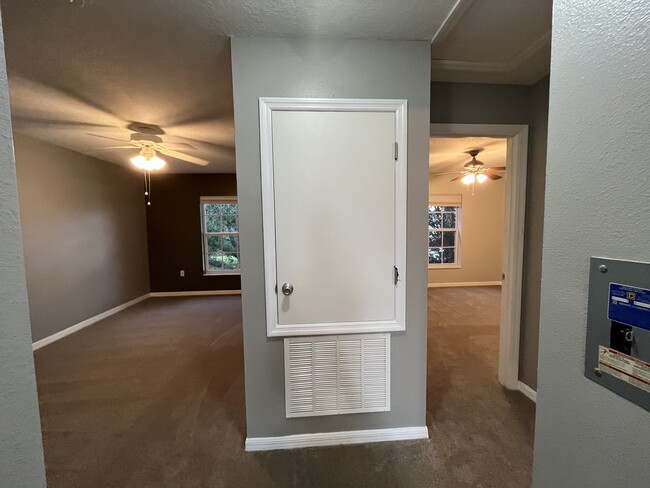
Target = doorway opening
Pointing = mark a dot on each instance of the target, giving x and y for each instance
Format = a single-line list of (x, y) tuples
[(475, 256)]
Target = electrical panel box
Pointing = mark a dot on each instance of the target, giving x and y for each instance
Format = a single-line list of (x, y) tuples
[(617, 354)]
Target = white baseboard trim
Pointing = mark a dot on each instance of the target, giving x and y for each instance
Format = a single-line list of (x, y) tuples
[(465, 283), (335, 438), (81, 325), (527, 390), (193, 293)]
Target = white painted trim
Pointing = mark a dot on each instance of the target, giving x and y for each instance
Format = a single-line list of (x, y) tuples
[(455, 14), (527, 391), (494, 67), (81, 325), (515, 221), (464, 283), (157, 294), (335, 438), (266, 107)]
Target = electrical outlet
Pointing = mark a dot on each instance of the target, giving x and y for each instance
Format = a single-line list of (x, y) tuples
[(182, 273)]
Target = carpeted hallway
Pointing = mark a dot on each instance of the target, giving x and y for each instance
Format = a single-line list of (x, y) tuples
[(153, 397)]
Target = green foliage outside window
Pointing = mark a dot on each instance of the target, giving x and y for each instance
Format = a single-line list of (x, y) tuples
[(221, 237)]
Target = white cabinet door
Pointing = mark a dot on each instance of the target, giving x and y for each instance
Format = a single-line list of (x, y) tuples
[(333, 218)]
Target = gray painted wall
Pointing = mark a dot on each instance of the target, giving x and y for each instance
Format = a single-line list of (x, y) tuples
[(345, 69), (586, 436), (533, 234), (84, 231), (475, 103), (21, 447)]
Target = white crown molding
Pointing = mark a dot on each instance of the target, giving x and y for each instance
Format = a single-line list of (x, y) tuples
[(527, 391), (491, 67), (464, 283), (335, 438), (455, 14)]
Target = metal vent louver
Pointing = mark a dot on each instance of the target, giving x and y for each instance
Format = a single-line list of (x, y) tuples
[(333, 375)]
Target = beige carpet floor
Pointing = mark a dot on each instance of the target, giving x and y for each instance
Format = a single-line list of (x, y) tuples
[(153, 397)]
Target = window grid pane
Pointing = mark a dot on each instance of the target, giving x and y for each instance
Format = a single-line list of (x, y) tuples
[(221, 237), (443, 234)]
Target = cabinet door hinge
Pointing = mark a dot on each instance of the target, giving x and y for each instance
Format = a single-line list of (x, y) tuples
[(396, 271), (396, 151)]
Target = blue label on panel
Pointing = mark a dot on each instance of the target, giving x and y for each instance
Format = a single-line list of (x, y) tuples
[(629, 305)]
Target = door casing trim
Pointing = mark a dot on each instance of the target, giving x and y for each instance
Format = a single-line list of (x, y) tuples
[(266, 108), (513, 249)]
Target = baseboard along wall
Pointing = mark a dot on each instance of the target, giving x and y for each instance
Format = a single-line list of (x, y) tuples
[(154, 294), (82, 325), (528, 391), (322, 439), (464, 283)]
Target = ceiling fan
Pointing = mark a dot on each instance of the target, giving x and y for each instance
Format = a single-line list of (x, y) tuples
[(475, 172), (148, 160), (150, 144)]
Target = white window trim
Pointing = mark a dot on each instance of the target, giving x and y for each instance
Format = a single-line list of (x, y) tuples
[(266, 107), (204, 235), (459, 240)]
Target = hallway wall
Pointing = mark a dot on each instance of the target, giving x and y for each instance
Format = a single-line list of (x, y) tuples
[(587, 436), (332, 69), (21, 445)]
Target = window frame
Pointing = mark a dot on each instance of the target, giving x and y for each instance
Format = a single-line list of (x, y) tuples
[(227, 200), (457, 240)]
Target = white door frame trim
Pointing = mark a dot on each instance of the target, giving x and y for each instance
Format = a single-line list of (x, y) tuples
[(515, 220), (266, 107)]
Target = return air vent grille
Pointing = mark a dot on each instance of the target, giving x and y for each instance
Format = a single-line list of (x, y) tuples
[(333, 375)]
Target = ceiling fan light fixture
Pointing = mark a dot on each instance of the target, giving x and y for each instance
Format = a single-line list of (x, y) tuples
[(148, 164), (481, 177), (468, 179)]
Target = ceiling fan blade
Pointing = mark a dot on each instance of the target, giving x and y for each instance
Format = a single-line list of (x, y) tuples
[(492, 176), (185, 157), (459, 177), (176, 146), (444, 174), (497, 168), (110, 147), (109, 138)]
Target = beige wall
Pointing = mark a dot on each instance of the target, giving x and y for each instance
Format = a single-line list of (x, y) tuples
[(481, 232)]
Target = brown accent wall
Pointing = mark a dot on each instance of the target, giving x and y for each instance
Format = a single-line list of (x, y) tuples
[(174, 231)]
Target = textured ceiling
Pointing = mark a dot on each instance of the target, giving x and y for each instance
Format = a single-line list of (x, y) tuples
[(447, 154), (81, 71), (89, 68), (494, 41)]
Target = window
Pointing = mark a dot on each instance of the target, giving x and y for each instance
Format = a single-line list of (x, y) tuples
[(444, 236), (220, 226)]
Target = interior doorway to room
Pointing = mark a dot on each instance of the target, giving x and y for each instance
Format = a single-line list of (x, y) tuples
[(475, 255), (499, 146)]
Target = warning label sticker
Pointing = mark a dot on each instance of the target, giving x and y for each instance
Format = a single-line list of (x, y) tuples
[(624, 367)]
